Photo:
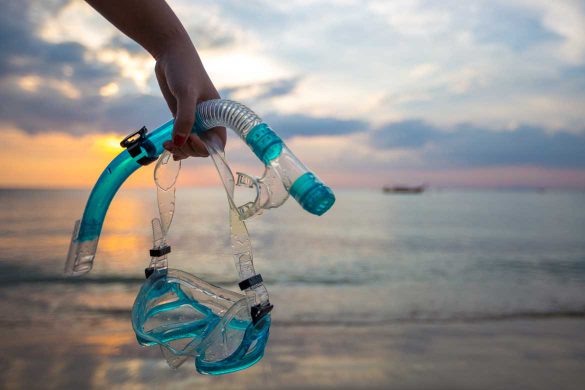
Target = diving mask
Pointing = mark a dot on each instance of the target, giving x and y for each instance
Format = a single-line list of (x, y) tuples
[(222, 330)]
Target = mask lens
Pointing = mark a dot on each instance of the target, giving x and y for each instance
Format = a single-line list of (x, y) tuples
[(178, 310), (235, 343)]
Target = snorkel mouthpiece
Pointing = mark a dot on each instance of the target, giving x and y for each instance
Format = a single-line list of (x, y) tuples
[(81, 254)]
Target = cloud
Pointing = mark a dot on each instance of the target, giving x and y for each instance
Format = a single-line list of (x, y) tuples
[(261, 91), (406, 134), (22, 52), (471, 146), (566, 19), (303, 125), (512, 26), (46, 109), (125, 43), (48, 86), (346, 79)]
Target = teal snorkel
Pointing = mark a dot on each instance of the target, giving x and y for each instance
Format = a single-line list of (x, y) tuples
[(284, 174), (222, 330)]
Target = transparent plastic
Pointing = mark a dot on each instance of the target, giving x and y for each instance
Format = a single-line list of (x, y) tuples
[(281, 164), (188, 317), (282, 171)]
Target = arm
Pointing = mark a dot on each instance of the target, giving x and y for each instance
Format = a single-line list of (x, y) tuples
[(181, 76)]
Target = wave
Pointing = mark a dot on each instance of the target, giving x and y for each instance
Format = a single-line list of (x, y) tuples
[(12, 281), (29, 278), (457, 318), (406, 319)]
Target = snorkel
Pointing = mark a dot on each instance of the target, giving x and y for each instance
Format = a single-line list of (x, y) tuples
[(284, 174), (222, 330)]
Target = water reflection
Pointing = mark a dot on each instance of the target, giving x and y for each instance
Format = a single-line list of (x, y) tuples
[(381, 290)]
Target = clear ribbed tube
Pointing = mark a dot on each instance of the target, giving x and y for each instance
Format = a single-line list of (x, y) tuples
[(226, 113)]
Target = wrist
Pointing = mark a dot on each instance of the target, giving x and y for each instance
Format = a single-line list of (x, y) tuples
[(171, 41)]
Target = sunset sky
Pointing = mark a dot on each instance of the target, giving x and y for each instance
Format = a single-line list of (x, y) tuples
[(450, 93)]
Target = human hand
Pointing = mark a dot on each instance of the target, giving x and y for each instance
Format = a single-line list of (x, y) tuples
[(184, 83)]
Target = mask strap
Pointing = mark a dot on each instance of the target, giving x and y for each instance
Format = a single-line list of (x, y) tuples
[(165, 176), (250, 282)]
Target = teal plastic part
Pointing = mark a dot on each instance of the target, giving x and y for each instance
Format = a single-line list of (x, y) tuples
[(113, 177), (183, 314), (164, 314), (264, 142), (249, 352), (153, 304), (102, 194), (312, 194), (309, 191)]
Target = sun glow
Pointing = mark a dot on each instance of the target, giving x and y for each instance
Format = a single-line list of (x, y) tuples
[(60, 160), (109, 144)]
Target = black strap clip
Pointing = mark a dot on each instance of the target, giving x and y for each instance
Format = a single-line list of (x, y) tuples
[(251, 282), (150, 270), (134, 138), (260, 310), (158, 252), (133, 141)]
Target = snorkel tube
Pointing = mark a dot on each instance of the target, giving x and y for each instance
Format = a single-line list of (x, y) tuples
[(284, 174)]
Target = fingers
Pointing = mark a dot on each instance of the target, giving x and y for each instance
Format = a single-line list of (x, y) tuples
[(196, 146), (193, 147), (184, 119)]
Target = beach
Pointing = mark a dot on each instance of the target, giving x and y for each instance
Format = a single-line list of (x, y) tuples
[(498, 354), (445, 290)]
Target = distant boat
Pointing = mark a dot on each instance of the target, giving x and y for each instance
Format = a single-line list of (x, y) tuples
[(404, 189)]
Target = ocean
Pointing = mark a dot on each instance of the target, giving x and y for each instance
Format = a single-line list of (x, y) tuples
[(374, 261)]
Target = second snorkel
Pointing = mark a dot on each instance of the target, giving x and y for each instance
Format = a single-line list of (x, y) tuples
[(284, 174)]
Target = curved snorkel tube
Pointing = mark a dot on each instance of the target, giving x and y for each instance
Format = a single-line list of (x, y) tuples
[(284, 174)]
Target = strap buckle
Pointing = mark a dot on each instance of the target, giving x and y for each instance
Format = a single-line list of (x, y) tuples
[(251, 282), (260, 310), (132, 142), (134, 138), (158, 252)]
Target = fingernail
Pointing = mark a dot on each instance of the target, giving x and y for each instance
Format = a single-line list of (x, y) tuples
[(179, 140)]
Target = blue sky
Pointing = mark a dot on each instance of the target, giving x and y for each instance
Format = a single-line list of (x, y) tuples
[(367, 92)]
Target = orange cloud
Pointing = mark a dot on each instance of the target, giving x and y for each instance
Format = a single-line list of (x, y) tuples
[(61, 160)]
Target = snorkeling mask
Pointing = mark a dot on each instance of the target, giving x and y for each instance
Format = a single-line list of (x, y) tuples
[(222, 330)]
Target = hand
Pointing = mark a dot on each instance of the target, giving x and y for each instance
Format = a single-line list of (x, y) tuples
[(184, 83)]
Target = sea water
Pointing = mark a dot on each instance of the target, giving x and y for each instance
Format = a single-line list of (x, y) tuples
[(438, 256)]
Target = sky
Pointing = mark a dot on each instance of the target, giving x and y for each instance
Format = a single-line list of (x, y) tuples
[(366, 93)]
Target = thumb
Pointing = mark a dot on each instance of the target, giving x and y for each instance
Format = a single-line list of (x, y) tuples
[(184, 119)]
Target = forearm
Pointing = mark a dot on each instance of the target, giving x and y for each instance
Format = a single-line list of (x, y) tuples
[(180, 74), (151, 23)]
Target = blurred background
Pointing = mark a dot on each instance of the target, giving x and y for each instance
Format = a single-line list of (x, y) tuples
[(468, 271)]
